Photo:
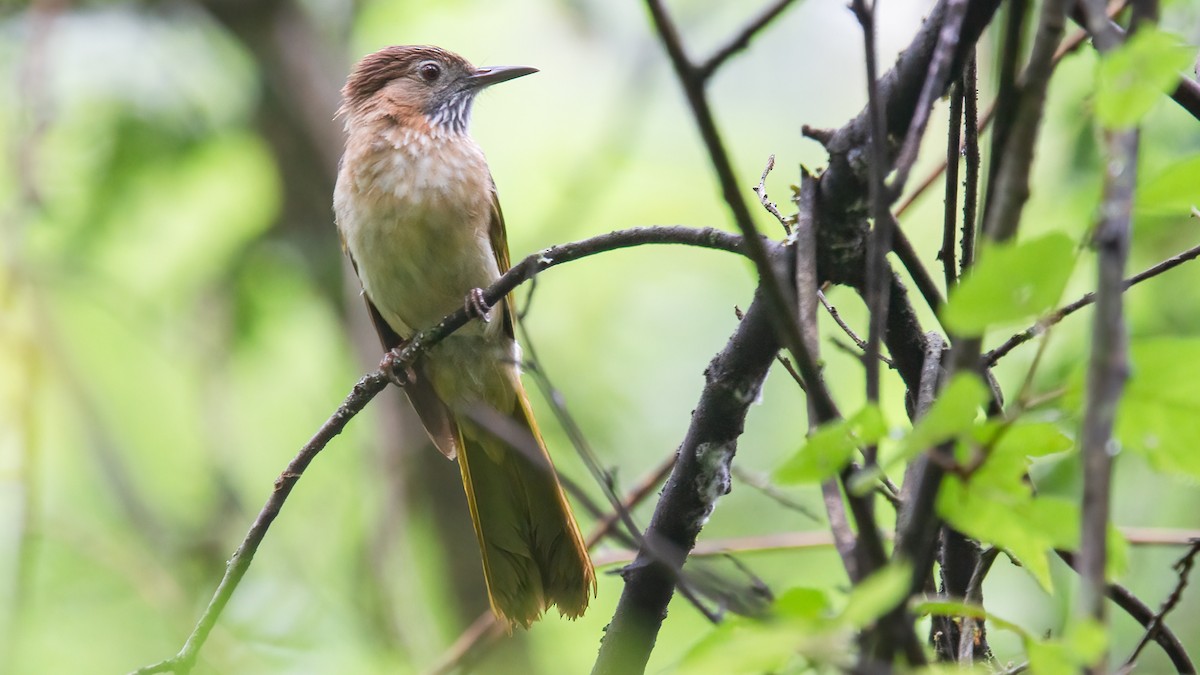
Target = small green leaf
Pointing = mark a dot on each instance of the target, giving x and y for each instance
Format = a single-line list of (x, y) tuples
[(878, 594), (1172, 191), (1082, 644), (1011, 282), (830, 447), (800, 603), (1159, 415), (952, 415), (742, 647), (1086, 640), (1132, 77), (1005, 514), (1012, 445), (957, 608)]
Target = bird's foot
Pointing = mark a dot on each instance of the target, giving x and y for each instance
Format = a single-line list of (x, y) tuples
[(477, 306), (390, 365)]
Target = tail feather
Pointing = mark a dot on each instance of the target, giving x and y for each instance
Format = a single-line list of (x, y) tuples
[(534, 556)]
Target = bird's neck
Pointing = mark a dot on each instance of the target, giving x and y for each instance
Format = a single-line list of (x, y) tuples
[(412, 159)]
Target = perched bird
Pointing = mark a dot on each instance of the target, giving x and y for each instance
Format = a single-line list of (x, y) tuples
[(418, 214)]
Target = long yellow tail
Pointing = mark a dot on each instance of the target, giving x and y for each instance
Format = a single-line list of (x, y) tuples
[(533, 553)]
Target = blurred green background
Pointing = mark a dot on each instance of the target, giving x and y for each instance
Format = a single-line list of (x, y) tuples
[(177, 318)]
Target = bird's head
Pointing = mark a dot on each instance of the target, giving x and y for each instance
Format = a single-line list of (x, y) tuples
[(420, 85)]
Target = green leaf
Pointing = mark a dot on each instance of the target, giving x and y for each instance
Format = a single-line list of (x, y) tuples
[(878, 594), (742, 647), (798, 624), (801, 603), (1011, 282), (958, 608), (1172, 191), (1006, 514), (1012, 446), (1132, 77), (952, 415), (830, 447), (1082, 644), (1159, 415)]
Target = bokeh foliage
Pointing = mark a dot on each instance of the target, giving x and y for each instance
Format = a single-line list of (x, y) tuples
[(175, 321)]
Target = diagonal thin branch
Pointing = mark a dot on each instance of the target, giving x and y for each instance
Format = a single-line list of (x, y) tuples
[(1183, 567), (1088, 298), (373, 383), (742, 39)]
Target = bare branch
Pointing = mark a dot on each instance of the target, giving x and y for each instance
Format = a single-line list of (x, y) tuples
[(742, 39), (370, 385), (950, 210), (761, 191), (1183, 567), (1088, 298)]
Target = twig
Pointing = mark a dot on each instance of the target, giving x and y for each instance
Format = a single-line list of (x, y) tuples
[(908, 257), (939, 65), (1136, 609), (761, 191), (1088, 298), (971, 129), (950, 212), (364, 390), (776, 495), (837, 318), (692, 81), (742, 39), (981, 123), (878, 272), (1011, 183), (1183, 567)]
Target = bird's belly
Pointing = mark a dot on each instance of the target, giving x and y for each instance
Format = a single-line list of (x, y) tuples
[(417, 263), (415, 216)]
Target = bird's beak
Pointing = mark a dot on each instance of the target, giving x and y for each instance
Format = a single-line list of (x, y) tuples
[(485, 77)]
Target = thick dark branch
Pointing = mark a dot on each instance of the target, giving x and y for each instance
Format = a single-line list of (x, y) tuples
[(950, 206), (971, 129), (1011, 182), (700, 477), (879, 272), (844, 182), (956, 11), (1108, 368)]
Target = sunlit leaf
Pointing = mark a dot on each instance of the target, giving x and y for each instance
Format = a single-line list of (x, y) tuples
[(1133, 76), (830, 447), (1011, 282)]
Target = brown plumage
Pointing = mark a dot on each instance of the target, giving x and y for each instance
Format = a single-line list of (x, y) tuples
[(418, 214)]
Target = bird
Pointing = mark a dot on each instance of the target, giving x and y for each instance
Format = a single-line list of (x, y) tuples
[(417, 211)]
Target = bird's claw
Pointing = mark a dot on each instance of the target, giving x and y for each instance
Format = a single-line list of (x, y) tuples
[(477, 306), (399, 377)]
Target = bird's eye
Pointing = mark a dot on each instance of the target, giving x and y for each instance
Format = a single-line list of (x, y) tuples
[(429, 72)]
